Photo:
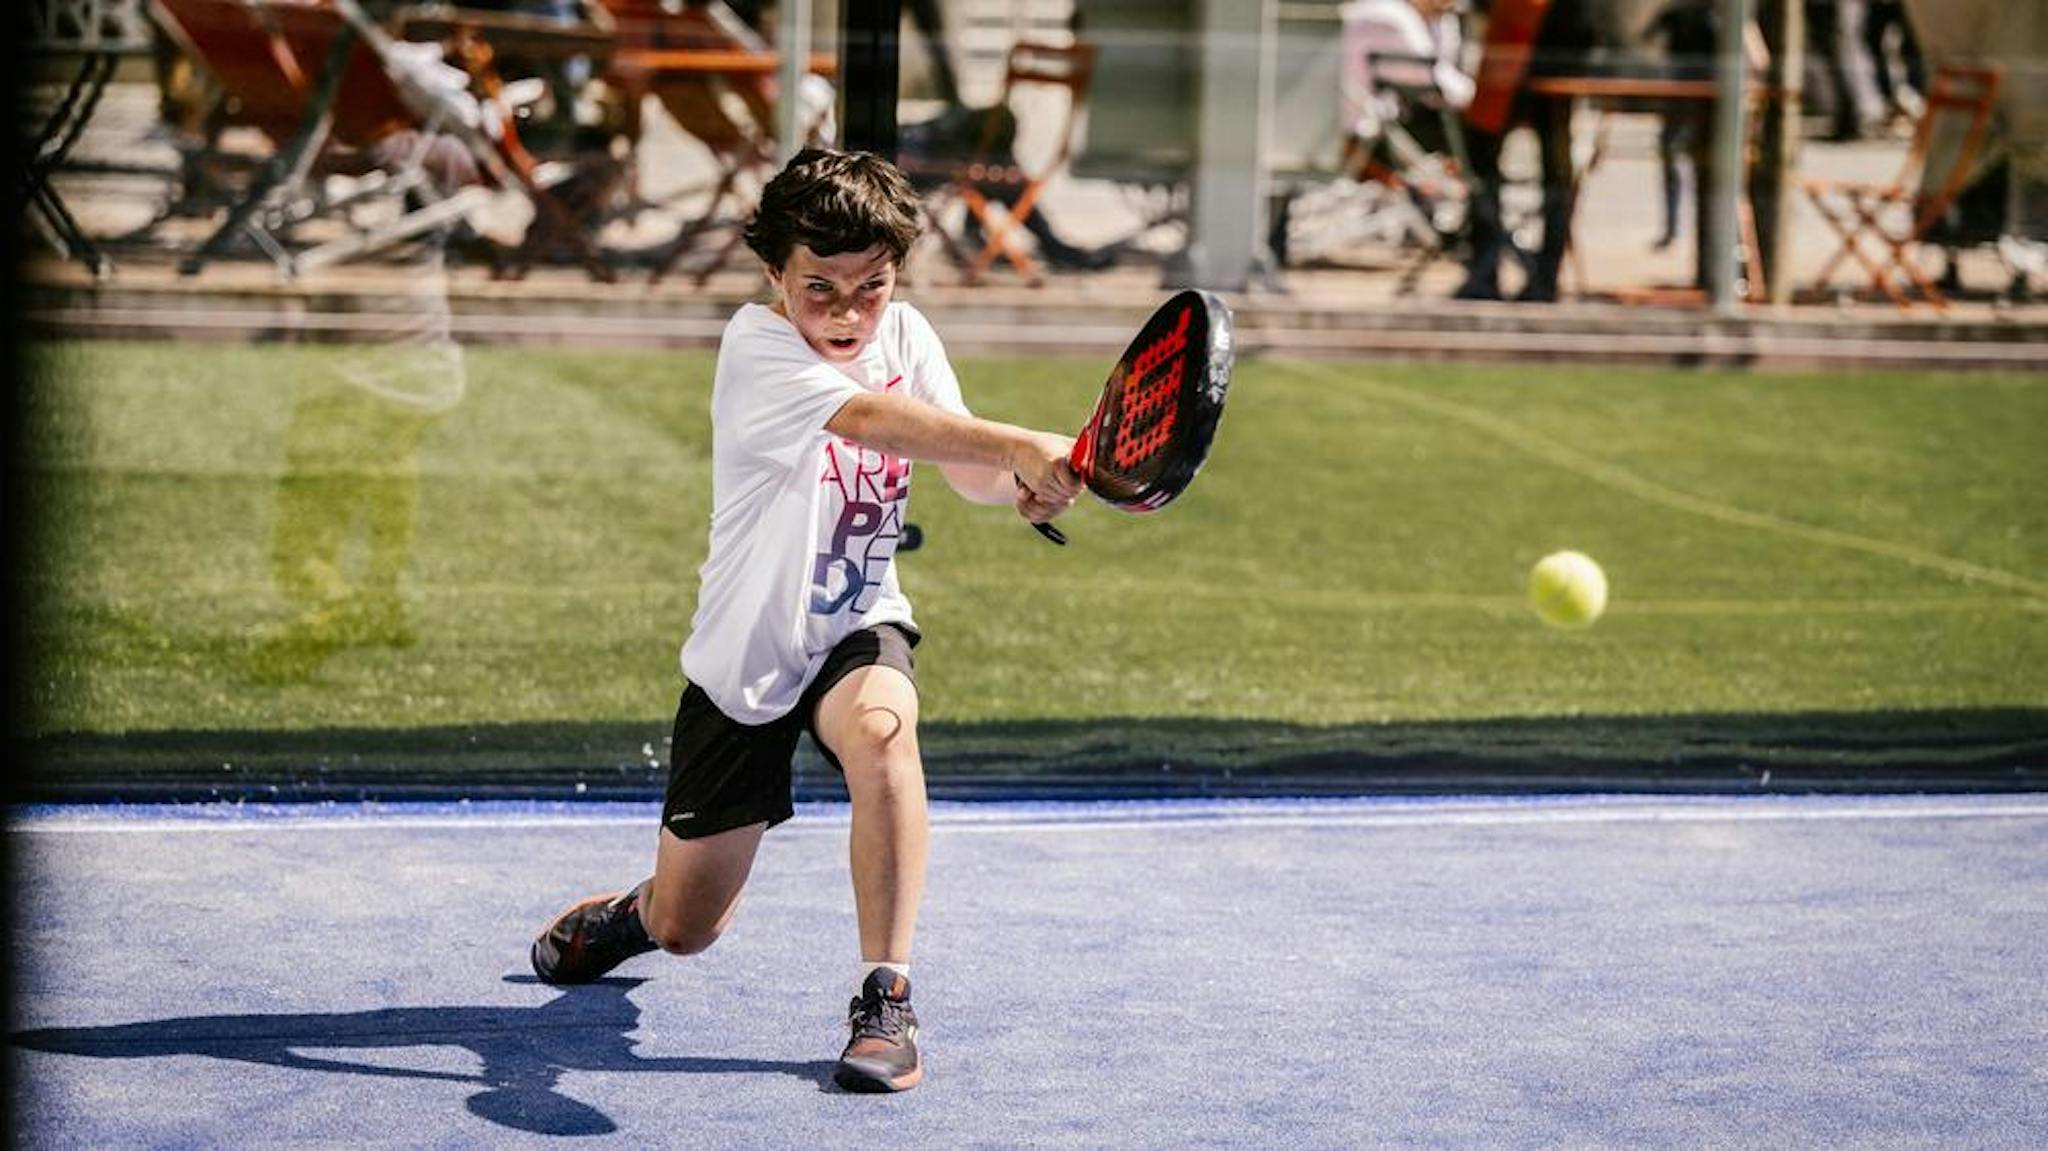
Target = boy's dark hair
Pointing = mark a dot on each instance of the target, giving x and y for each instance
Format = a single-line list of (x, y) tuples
[(834, 202)]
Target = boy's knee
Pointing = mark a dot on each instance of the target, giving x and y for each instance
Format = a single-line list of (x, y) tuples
[(878, 739), (677, 935)]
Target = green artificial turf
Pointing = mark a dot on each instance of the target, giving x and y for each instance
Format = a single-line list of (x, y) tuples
[(1354, 555)]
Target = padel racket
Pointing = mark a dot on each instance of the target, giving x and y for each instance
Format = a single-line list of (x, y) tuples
[(1158, 411)]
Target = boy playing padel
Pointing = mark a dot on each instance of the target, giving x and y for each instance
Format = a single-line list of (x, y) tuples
[(821, 400)]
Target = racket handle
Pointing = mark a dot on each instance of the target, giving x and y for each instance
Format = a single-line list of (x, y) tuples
[(1047, 530)]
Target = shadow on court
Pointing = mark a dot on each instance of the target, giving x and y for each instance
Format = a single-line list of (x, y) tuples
[(1599, 971), (524, 1050), (1987, 749)]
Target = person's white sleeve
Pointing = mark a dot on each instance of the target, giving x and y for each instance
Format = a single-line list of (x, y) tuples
[(1456, 87), (1451, 79), (1397, 39), (932, 378), (774, 395)]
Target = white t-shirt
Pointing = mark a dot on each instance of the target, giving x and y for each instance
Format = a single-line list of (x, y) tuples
[(804, 525)]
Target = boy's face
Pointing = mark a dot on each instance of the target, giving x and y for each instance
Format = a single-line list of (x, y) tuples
[(836, 302)]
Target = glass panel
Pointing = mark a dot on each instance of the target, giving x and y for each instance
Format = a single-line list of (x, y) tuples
[(367, 412)]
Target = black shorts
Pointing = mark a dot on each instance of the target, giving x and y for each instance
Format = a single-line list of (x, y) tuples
[(724, 774)]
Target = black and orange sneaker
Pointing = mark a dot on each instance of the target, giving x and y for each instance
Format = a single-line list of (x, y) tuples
[(591, 938), (881, 1055)]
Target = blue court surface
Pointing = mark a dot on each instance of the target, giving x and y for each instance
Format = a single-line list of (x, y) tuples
[(1578, 971)]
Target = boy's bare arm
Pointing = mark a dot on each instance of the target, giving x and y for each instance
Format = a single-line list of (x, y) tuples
[(981, 483), (909, 427)]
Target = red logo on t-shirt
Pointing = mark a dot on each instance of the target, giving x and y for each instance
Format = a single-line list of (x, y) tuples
[(870, 488)]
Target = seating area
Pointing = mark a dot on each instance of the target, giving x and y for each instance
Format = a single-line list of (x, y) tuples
[(373, 139), (311, 133), (716, 78), (305, 79), (1886, 227), (627, 140), (999, 191)]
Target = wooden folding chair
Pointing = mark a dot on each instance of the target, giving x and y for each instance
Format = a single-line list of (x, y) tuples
[(568, 184), (993, 175), (300, 74), (1896, 217), (93, 41), (1428, 179), (716, 79), (316, 77), (567, 191)]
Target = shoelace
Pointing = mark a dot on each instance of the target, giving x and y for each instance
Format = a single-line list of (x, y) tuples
[(878, 1018)]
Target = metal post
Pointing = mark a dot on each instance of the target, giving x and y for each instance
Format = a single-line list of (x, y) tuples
[(794, 35), (1785, 35), (1235, 82), (1730, 110), (868, 63)]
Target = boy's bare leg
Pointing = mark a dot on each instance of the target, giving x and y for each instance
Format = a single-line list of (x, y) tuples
[(696, 887), (869, 721), (694, 892)]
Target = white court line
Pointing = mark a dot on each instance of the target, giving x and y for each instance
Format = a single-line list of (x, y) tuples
[(1621, 479), (1166, 815)]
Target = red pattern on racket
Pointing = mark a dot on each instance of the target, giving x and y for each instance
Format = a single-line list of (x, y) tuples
[(1158, 411)]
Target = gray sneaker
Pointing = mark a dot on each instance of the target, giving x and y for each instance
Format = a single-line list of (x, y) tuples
[(881, 1055)]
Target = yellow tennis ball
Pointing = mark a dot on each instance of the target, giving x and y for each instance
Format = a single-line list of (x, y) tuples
[(1567, 589)]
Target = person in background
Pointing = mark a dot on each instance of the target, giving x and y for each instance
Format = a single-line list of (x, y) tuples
[(1900, 70), (1686, 31), (1563, 43), (1390, 39), (1845, 76)]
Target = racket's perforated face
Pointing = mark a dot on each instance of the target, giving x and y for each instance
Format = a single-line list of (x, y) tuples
[(1158, 413)]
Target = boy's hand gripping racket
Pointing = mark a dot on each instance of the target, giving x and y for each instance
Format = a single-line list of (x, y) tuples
[(1158, 411)]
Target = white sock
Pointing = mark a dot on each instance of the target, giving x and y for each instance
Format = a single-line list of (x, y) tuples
[(868, 968)]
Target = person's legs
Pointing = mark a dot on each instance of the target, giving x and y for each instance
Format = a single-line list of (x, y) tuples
[(868, 721), (1862, 105), (1911, 59), (868, 724), (682, 909), (1553, 122), (1488, 231), (1703, 161), (1671, 154), (696, 887), (728, 783)]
